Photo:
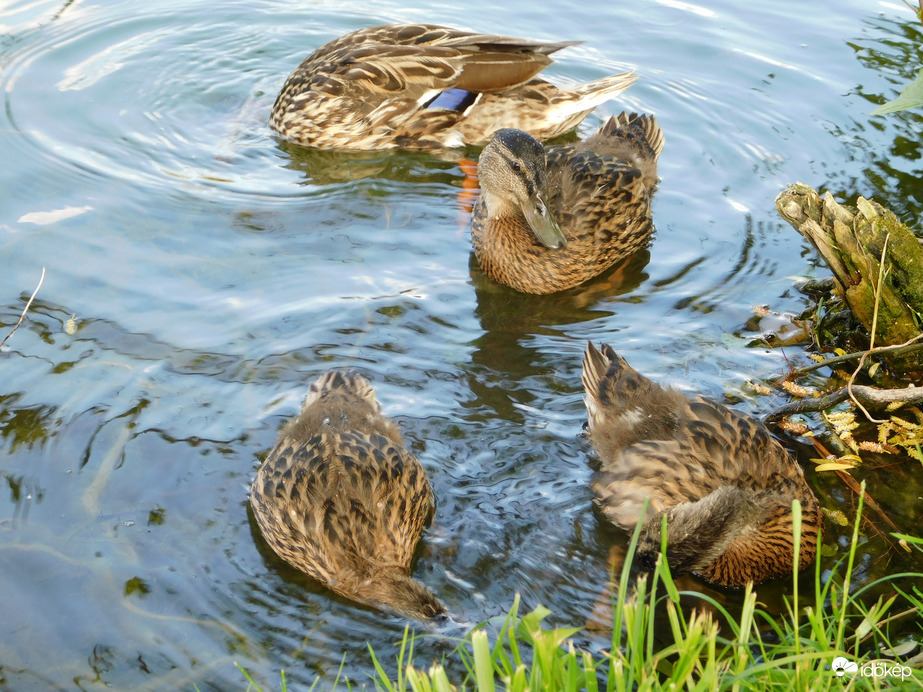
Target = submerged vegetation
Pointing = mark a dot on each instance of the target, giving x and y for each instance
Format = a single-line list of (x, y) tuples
[(912, 95), (827, 639)]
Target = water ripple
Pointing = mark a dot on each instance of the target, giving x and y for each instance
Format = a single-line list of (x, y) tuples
[(212, 271)]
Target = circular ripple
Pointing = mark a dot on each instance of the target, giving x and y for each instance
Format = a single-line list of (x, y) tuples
[(152, 97)]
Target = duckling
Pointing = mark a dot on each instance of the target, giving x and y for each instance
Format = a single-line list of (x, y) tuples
[(724, 483), (340, 498), (427, 86), (550, 219)]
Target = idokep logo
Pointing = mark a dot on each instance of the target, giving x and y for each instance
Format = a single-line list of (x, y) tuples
[(873, 669), (842, 665)]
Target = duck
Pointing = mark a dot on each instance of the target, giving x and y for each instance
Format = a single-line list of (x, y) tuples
[(424, 86), (340, 498), (549, 219), (724, 484)]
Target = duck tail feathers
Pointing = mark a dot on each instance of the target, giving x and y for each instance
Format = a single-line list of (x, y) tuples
[(590, 94), (628, 126), (348, 381), (601, 365)]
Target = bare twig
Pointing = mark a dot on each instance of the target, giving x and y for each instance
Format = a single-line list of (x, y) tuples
[(849, 385), (908, 346), (892, 618), (868, 396), (25, 309)]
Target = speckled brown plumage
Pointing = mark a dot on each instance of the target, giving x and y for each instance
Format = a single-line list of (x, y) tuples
[(598, 192), (724, 483), (384, 87), (340, 498)]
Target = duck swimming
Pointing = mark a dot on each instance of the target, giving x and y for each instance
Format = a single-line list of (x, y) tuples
[(428, 86), (550, 219), (340, 498), (724, 483)]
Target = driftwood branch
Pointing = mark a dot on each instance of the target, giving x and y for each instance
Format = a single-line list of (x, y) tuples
[(906, 348), (25, 309), (867, 396)]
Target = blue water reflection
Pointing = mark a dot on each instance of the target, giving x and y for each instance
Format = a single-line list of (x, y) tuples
[(214, 271)]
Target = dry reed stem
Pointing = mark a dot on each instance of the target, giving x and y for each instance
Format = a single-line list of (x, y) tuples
[(849, 384), (25, 309)]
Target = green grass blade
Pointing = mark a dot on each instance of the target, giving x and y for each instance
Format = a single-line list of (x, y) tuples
[(483, 663)]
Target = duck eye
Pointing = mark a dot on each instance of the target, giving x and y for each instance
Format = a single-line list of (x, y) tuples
[(515, 166)]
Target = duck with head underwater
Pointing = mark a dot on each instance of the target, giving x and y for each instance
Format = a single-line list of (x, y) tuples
[(423, 86), (548, 219), (724, 484), (340, 498)]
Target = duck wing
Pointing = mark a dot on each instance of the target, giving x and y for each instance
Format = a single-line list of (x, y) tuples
[(412, 61)]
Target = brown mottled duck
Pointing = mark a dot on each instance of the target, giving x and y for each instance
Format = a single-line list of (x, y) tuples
[(550, 219), (723, 482), (425, 86), (340, 498)]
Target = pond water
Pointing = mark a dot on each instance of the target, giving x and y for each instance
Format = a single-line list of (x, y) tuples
[(214, 271)]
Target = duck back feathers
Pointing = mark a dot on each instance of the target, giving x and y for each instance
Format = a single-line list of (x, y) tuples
[(724, 484), (601, 188), (382, 87), (341, 499)]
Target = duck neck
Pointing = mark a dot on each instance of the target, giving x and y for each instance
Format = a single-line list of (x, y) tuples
[(769, 551), (697, 532), (732, 536), (395, 590), (509, 252)]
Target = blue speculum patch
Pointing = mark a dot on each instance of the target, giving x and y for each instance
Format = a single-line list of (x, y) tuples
[(452, 99)]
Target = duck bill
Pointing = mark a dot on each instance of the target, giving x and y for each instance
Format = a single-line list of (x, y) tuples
[(543, 223)]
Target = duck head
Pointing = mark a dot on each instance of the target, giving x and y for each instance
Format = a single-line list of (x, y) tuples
[(396, 591), (513, 179)]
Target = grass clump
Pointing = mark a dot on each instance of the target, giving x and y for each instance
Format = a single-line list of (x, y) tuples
[(753, 651)]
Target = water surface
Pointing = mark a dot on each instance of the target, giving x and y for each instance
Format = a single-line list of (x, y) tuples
[(214, 271)]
